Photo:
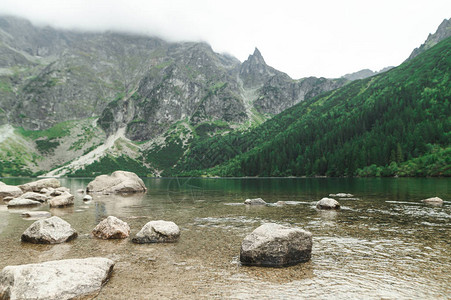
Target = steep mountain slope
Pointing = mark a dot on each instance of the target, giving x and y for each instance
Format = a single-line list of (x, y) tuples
[(145, 92), (443, 32), (395, 123)]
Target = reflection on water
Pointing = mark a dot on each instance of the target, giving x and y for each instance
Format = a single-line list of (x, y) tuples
[(384, 243)]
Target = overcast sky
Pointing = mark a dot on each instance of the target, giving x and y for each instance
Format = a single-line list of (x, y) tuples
[(302, 38)]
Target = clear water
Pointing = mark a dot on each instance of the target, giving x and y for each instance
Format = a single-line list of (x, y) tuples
[(386, 244)]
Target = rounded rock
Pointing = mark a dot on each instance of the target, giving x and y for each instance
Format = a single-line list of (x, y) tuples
[(112, 228), (328, 203), (53, 230), (158, 232)]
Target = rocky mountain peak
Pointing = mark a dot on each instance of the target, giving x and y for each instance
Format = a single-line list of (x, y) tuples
[(443, 32), (254, 72)]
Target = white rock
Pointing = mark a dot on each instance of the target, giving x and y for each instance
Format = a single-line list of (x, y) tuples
[(9, 191), (341, 195), (118, 182), (158, 232), (87, 198), (17, 202), (35, 196), (63, 200), (274, 245), (36, 214), (433, 200), (37, 186), (53, 230), (256, 201), (112, 228), (55, 280), (328, 203)]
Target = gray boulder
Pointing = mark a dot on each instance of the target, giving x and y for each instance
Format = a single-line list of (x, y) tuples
[(62, 279), (118, 182), (158, 232), (63, 200), (256, 201), (9, 191), (112, 228), (274, 245), (37, 186), (18, 202), (433, 200), (53, 230), (328, 203), (35, 196)]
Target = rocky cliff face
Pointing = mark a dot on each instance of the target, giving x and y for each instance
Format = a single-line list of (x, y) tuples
[(443, 32), (139, 88)]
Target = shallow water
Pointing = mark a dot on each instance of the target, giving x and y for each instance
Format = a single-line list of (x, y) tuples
[(383, 243)]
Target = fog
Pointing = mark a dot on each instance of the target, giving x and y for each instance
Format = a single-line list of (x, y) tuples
[(301, 38)]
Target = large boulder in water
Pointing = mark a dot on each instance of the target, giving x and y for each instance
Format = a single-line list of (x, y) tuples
[(35, 196), (63, 200), (112, 228), (274, 245), (37, 186), (53, 230), (61, 279), (9, 191), (158, 232), (20, 202), (118, 182), (328, 203)]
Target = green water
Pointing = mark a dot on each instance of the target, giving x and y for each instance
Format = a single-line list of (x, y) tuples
[(383, 243)]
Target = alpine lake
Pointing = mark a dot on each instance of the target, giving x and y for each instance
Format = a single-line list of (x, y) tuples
[(384, 243)]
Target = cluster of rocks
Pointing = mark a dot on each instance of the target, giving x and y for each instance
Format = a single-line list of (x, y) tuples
[(47, 190), (55, 230)]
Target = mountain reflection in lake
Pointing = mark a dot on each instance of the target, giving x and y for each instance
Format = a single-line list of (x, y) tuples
[(383, 243)]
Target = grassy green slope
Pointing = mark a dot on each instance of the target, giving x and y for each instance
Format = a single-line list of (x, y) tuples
[(396, 123)]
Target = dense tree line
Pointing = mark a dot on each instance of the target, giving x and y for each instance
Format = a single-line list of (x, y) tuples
[(383, 123)]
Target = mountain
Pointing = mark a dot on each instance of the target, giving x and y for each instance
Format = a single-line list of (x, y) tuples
[(365, 73), (396, 123), (443, 32), (71, 99)]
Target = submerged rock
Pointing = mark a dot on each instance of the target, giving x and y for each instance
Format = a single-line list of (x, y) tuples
[(35, 196), (37, 186), (9, 191), (118, 182), (274, 245), (433, 200), (17, 202), (53, 230), (255, 201), (158, 232), (61, 279), (36, 214), (63, 200), (328, 203), (341, 195), (112, 228)]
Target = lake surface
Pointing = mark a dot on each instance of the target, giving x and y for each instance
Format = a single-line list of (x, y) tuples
[(384, 243)]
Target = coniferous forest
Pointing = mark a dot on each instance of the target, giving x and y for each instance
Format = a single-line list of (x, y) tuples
[(393, 124)]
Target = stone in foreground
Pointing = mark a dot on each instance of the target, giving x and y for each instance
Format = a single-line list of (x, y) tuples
[(112, 228), (118, 182), (256, 201), (158, 232), (328, 203), (63, 200), (433, 200), (87, 198), (53, 230), (9, 191), (19, 202), (61, 279), (274, 245), (37, 186)]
